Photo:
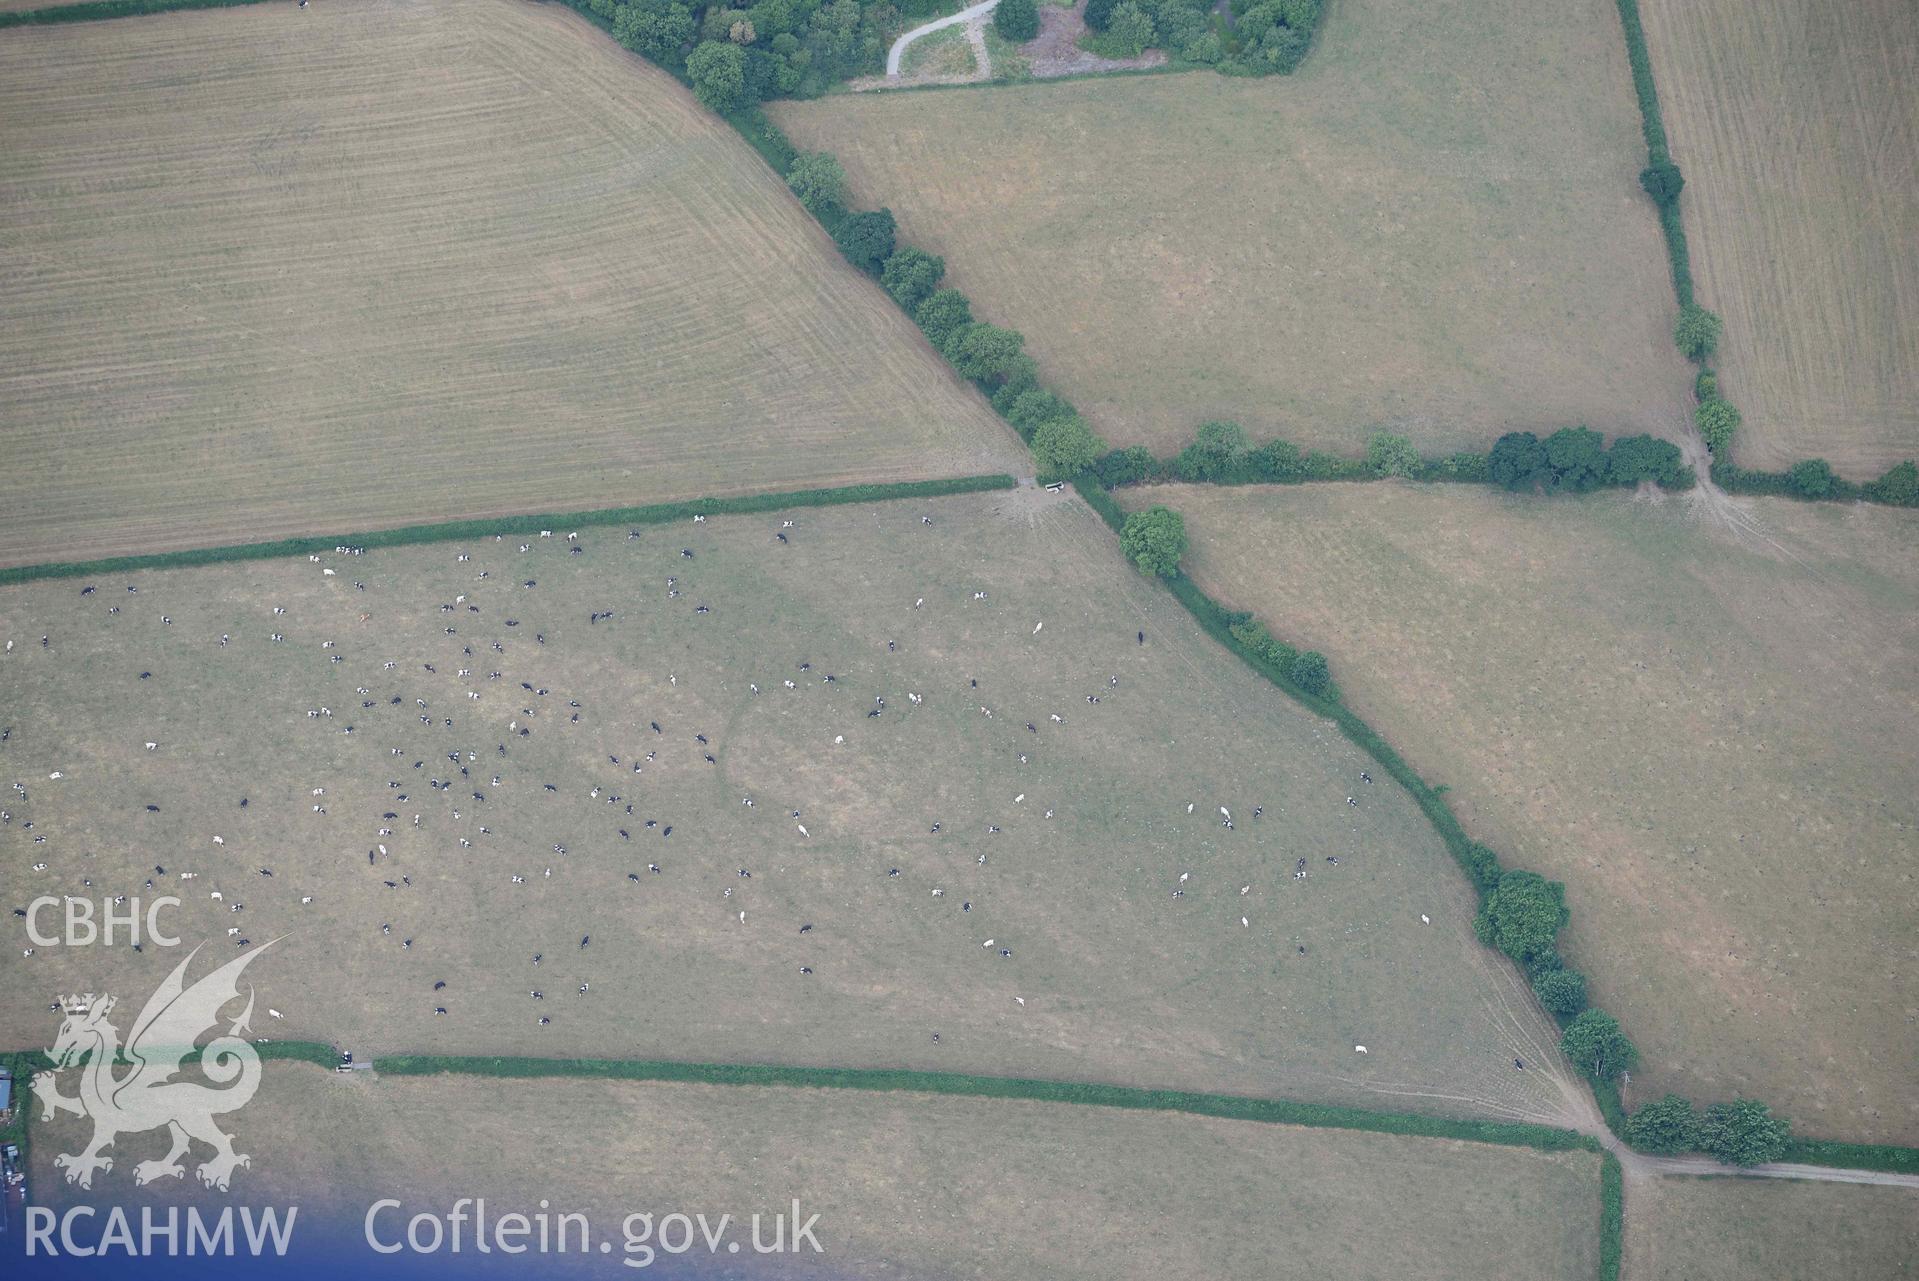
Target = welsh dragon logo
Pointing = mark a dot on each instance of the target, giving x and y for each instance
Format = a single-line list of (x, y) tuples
[(146, 1097)]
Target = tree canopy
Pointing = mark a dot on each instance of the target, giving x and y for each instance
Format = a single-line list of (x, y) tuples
[(1744, 1132), (1126, 466), (1016, 20), (1717, 420), (1310, 673), (1663, 1127), (1562, 992), (1518, 460), (1391, 455), (1662, 181), (1696, 332), (1066, 446), (1522, 917), (911, 276), (717, 69), (987, 353), (1154, 540), (1635, 458), (817, 179), (1576, 456), (1214, 451), (866, 238), (944, 313), (1596, 1046)]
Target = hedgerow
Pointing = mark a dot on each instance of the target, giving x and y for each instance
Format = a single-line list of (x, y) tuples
[(653, 514), (1572, 458), (1612, 1217), (1231, 1106), (1852, 1156), (96, 10)]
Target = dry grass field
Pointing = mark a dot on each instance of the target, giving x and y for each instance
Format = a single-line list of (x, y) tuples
[(1733, 1229), (1797, 126), (268, 271), (1080, 865), (1711, 744), (1434, 224), (905, 1184)]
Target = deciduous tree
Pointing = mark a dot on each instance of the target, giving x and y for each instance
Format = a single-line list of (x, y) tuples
[(911, 276), (817, 179), (1697, 331), (1595, 1045), (1154, 540), (717, 69), (1743, 1132), (1663, 1127)]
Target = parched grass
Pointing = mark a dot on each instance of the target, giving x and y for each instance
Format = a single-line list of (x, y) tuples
[(918, 1184), (1728, 1229), (273, 272), (1708, 741), (1100, 813), (1796, 125), (1434, 225)]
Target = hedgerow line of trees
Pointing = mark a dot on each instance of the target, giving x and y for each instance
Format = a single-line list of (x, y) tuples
[(1572, 459), (1569, 460)]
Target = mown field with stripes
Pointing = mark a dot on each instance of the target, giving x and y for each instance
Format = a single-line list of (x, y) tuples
[(1797, 126), (269, 271)]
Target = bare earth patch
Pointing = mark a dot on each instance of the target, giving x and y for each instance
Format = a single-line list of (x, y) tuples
[(1056, 52)]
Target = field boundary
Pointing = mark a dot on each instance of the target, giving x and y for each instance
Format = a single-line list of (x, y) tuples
[(1234, 1107), (1652, 123), (443, 531), (1216, 621), (1612, 1217), (99, 10), (891, 1080)]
